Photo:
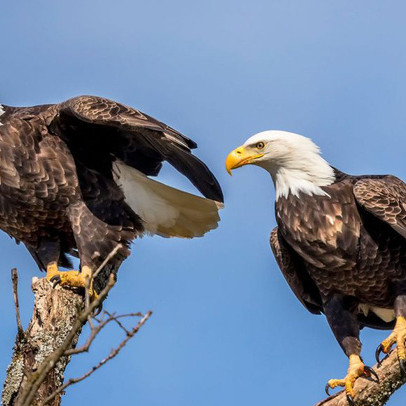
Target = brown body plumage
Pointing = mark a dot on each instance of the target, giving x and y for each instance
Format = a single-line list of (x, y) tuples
[(58, 193), (342, 246)]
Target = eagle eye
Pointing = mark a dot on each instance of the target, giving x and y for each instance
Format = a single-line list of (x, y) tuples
[(260, 145)]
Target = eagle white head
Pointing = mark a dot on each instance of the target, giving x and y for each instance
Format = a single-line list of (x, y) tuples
[(293, 161)]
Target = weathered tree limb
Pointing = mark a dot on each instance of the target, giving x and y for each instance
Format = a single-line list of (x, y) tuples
[(41, 353), (30, 393), (55, 312), (370, 393)]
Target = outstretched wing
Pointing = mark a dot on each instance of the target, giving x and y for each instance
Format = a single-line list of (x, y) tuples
[(293, 270), (385, 198), (108, 129)]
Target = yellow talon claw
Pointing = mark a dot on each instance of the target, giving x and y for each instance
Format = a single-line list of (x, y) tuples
[(398, 337), (73, 279), (355, 370)]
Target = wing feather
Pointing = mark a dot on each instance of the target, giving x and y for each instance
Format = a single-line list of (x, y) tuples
[(133, 136), (385, 198), (293, 270)]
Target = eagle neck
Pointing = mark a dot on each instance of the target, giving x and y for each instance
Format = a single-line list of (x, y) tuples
[(307, 176)]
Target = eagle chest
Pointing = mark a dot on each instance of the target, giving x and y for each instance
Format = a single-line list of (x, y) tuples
[(323, 230), (37, 180)]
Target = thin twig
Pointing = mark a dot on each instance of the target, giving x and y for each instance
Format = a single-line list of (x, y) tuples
[(107, 260), (118, 323), (113, 353), (95, 330), (98, 270), (14, 278), (90, 322), (93, 333)]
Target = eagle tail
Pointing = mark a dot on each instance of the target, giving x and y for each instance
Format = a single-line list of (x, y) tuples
[(166, 211)]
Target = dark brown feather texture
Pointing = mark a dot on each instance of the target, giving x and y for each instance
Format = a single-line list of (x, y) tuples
[(345, 242), (57, 192)]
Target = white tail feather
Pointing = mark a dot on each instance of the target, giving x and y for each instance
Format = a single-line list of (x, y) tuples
[(166, 211)]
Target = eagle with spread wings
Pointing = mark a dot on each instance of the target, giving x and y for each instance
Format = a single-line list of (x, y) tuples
[(340, 242), (74, 180)]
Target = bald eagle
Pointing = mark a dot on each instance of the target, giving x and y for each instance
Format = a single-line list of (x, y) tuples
[(340, 242), (74, 180)]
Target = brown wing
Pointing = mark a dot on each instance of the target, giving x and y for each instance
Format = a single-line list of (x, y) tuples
[(293, 270), (108, 130), (385, 198)]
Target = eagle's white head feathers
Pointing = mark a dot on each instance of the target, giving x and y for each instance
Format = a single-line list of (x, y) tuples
[(293, 161)]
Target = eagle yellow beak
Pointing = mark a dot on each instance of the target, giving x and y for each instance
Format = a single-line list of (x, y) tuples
[(239, 157)]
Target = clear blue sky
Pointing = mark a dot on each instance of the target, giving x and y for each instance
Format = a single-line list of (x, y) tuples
[(226, 328)]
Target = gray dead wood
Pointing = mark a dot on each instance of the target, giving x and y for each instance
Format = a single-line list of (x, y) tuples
[(370, 393), (41, 352), (55, 313)]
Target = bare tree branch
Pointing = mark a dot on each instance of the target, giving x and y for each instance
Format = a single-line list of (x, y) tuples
[(55, 311), (117, 321), (112, 354), (35, 379), (95, 330), (14, 279), (43, 351), (370, 393)]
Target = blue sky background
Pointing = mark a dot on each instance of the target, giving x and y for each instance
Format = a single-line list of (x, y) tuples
[(226, 328)]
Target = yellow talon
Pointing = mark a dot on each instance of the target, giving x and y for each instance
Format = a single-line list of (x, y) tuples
[(73, 279), (355, 370), (398, 337)]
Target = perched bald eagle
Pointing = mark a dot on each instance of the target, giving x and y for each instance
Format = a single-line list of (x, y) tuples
[(74, 180), (340, 242)]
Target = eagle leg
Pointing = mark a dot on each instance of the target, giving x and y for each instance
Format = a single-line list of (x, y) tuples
[(398, 335), (71, 279), (342, 318)]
